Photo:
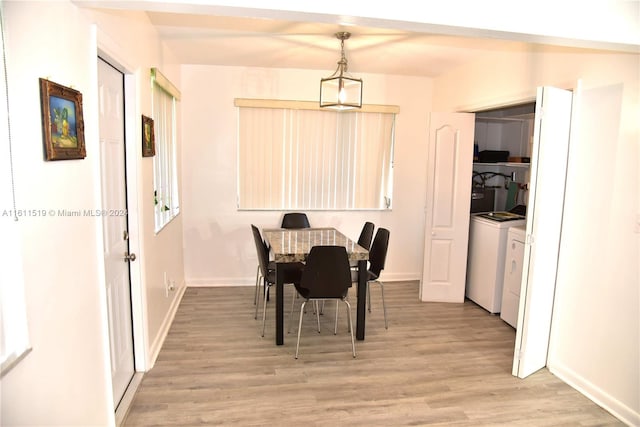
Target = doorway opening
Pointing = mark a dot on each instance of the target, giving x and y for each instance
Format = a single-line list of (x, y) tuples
[(117, 127)]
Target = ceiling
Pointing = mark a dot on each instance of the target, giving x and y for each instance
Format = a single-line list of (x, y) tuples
[(261, 42)]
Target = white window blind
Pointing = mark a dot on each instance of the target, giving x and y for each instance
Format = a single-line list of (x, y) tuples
[(14, 334), (165, 171), (314, 159)]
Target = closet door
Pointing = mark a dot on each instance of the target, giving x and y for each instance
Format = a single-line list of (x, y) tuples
[(449, 167), (544, 221)]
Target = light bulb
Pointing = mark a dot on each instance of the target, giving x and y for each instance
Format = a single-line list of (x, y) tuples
[(342, 95)]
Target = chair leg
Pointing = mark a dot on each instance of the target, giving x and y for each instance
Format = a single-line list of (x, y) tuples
[(384, 306), (317, 314), (335, 327), (257, 302), (255, 296), (353, 343), (264, 306), (293, 303), (300, 326)]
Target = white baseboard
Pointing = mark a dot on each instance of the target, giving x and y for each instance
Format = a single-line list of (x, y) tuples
[(235, 281), (618, 409), (125, 403), (155, 347), (220, 282), (399, 277)]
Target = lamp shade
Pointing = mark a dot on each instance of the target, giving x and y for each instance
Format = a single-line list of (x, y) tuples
[(341, 92)]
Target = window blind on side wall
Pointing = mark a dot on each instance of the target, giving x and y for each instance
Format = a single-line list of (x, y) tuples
[(164, 165), (314, 159)]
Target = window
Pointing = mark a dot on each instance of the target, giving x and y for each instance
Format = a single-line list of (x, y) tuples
[(14, 335), (165, 171), (292, 155)]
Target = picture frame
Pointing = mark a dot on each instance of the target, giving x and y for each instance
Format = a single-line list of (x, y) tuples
[(62, 122), (148, 137)]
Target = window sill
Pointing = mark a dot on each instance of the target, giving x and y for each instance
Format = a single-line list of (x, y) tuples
[(158, 230), (13, 360)]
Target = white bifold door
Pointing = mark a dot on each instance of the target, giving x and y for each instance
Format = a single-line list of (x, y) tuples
[(544, 221)]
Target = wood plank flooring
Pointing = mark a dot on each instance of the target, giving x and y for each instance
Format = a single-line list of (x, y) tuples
[(437, 364)]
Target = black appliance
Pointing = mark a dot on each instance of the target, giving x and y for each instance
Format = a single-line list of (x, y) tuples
[(482, 199)]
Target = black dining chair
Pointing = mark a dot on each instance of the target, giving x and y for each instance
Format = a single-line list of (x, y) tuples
[(295, 220), (366, 235), (270, 266), (364, 240), (377, 259), (292, 273), (326, 275)]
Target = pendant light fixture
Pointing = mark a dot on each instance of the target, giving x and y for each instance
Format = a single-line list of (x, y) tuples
[(340, 91)]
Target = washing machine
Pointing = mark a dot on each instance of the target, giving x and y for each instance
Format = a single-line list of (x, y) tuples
[(486, 257), (512, 275)]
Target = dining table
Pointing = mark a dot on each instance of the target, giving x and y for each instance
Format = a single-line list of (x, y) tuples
[(290, 246)]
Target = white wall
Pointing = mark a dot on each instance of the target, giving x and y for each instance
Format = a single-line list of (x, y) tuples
[(61, 266), (596, 322), (65, 380), (218, 245)]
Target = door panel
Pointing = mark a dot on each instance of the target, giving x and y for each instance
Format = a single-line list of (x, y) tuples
[(544, 221), (449, 167), (114, 222)]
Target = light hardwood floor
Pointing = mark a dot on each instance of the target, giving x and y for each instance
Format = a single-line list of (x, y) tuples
[(437, 364)]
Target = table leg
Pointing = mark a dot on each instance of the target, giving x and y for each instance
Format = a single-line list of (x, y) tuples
[(362, 300), (279, 304)]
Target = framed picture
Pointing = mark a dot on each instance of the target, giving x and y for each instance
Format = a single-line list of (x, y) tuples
[(62, 122), (148, 137)]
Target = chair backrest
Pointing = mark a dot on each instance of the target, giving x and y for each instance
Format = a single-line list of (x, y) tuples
[(261, 249), (327, 273), (295, 220), (378, 252), (366, 235)]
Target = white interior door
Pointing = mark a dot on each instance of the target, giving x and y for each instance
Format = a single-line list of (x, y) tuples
[(114, 221), (544, 221), (449, 168)]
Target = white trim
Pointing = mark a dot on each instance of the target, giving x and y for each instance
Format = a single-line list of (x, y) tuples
[(308, 105), (133, 128), (230, 282), (599, 396), (156, 346), (215, 282), (123, 407)]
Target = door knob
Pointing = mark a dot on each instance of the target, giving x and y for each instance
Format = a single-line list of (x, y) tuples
[(129, 257)]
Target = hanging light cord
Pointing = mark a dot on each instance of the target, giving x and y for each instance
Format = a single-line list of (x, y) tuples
[(342, 64), (6, 88)]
